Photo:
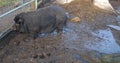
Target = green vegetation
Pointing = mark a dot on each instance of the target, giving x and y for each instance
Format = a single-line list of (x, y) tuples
[(6, 2)]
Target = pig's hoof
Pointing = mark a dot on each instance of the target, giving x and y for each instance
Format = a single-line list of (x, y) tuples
[(60, 33), (35, 36)]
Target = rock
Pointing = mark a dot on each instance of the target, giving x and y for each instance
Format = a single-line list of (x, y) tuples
[(75, 19), (103, 4)]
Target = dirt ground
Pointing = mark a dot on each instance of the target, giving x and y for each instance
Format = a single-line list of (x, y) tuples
[(77, 44)]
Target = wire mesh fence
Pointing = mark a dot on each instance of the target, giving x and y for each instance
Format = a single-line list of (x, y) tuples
[(6, 5), (9, 11)]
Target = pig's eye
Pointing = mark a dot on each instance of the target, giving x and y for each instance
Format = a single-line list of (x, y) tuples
[(20, 21)]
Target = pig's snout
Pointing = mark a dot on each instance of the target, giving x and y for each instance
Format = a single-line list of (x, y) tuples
[(15, 27)]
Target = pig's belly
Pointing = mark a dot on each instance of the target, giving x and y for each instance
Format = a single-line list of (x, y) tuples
[(48, 30)]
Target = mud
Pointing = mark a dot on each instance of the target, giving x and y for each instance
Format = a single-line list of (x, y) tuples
[(83, 42)]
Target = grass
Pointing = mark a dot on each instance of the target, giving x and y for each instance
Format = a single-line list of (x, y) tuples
[(6, 2)]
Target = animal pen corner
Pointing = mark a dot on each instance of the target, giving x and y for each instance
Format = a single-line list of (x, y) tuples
[(9, 10)]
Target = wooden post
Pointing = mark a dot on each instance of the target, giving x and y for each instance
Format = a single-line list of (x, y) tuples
[(34, 5)]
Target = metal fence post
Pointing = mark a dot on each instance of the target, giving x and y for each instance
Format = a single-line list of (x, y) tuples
[(34, 5)]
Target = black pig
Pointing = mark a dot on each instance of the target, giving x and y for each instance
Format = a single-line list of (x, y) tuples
[(43, 20)]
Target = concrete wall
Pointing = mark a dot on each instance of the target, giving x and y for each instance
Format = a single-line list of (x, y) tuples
[(103, 4)]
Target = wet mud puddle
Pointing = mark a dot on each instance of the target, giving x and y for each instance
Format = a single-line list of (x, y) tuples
[(54, 33), (104, 42)]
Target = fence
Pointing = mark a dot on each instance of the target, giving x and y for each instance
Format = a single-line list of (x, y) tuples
[(8, 12)]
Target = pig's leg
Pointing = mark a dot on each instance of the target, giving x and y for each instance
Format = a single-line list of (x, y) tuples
[(61, 23), (59, 29), (35, 31), (61, 26), (34, 35)]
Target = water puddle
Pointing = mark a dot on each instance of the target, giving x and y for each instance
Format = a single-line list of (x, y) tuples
[(54, 33), (118, 17), (118, 10), (114, 27), (104, 42), (71, 40)]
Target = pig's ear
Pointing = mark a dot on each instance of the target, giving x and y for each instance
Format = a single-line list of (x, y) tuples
[(18, 19)]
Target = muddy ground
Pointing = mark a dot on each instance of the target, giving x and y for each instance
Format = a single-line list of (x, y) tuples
[(83, 42)]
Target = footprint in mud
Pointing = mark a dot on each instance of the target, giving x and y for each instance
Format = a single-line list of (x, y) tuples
[(77, 56), (85, 61), (48, 54), (42, 55), (17, 43), (35, 56)]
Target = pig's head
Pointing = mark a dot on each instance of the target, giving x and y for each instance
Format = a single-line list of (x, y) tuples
[(19, 23)]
